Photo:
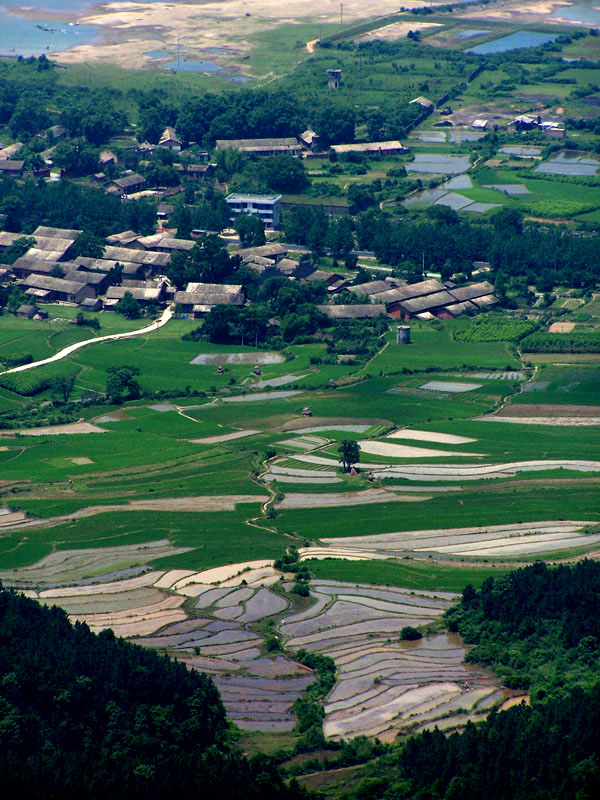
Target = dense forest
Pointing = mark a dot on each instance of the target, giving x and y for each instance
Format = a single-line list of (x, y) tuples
[(537, 626), (91, 716), (71, 205), (544, 257)]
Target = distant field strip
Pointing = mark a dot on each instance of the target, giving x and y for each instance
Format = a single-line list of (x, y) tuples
[(491, 540), (300, 500), (456, 472), (76, 565), (175, 504)]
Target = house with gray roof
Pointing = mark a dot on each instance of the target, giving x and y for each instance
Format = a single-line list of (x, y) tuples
[(201, 298), (127, 185), (359, 311), (12, 169), (59, 288), (262, 147)]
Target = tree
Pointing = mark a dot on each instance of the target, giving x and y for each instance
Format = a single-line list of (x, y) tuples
[(129, 307), (349, 453), (334, 122), (122, 383), (250, 229), (183, 220), (76, 158), (87, 244), (62, 387), (115, 274), (18, 248), (283, 174), (508, 221), (340, 239)]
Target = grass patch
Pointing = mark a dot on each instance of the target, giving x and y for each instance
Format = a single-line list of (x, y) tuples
[(429, 577), (455, 510), (216, 538)]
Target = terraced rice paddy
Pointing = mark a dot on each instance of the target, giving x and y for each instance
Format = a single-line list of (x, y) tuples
[(520, 539), (208, 620), (453, 472), (212, 634), (385, 686)]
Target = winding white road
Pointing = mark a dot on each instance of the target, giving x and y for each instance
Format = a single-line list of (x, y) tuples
[(66, 351)]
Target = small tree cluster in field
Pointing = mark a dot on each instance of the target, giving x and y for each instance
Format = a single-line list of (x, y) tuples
[(89, 322), (122, 383), (495, 328), (562, 343), (129, 306), (410, 634), (349, 453)]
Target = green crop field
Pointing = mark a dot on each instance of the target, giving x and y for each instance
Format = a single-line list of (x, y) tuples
[(214, 538), (469, 508), (425, 577), (436, 346)]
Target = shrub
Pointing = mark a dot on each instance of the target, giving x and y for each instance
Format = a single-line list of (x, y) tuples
[(410, 634)]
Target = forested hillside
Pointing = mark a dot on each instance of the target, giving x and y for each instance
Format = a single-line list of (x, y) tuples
[(549, 752), (537, 626), (86, 716)]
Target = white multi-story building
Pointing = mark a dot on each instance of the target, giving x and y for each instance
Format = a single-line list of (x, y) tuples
[(265, 206)]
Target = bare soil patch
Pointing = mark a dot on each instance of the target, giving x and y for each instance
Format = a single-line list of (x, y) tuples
[(346, 499), (561, 327), (406, 451), (331, 423), (547, 410), (225, 437), (397, 30), (56, 430), (430, 436)]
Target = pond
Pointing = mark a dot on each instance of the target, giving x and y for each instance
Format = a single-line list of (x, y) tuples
[(429, 136), (514, 41), (471, 34), (181, 64), (23, 36), (521, 150), (466, 136), (570, 162), (584, 11)]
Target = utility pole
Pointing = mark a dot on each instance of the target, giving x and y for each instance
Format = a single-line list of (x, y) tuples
[(341, 13), (178, 54)]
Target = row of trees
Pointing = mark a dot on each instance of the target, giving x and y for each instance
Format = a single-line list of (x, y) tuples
[(70, 205), (444, 241)]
